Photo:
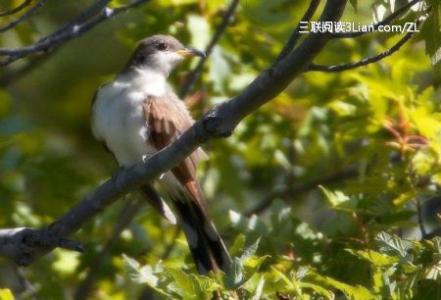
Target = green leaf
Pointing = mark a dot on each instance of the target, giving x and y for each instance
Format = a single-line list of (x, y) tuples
[(6, 294), (392, 243), (320, 290), (250, 250), (199, 31), (245, 266), (339, 200), (220, 69), (144, 274), (353, 292), (238, 245), (259, 290), (431, 33), (192, 286), (376, 258)]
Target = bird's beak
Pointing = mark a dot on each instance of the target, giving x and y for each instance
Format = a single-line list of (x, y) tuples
[(191, 52)]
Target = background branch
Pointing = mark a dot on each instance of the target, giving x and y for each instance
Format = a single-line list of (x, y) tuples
[(363, 62), (24, 17), (194, 75), (88, 20), (420, 219), (16, 9), (126, 217), (296, 33), (295, 189), (219, 122)]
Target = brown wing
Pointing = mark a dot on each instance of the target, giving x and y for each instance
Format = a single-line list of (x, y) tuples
[(167, 119)]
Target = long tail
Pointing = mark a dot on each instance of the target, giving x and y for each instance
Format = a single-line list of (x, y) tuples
[(158, 203), (206, 245)]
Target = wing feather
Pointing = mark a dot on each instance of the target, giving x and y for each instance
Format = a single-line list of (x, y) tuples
[(167, 119)]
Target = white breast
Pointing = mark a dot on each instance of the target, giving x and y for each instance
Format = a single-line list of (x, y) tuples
[(118, 118)]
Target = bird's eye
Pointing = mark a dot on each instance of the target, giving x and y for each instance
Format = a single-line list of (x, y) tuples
[(162, 46)]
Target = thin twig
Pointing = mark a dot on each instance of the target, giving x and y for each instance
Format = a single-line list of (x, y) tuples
[(194, 75), (29, 291), (168, 250), (420, 219), (296, 33), (48, 43), (15, 9), (85, 15), (24, 17), (363, 62), (385, 21), (126, 216), (11, 75), (288, 191)]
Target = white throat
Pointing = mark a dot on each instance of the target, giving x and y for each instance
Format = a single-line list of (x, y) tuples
[(149, 82)]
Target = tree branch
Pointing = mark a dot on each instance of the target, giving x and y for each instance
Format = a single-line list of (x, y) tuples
[(11, 75), (296, 33), (73, 29), (194, 75), (385, 21), (16, 9), (85, 15), (219, 122), (126, 216), (24, 17), (420, 219), (300, 188), (363, 62)]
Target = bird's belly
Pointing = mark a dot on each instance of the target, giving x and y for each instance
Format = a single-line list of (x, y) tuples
[(125, 133)]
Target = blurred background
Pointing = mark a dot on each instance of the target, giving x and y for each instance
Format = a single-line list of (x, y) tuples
[(369, 137)]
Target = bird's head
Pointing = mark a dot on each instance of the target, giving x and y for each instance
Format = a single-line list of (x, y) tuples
[(161, 53)]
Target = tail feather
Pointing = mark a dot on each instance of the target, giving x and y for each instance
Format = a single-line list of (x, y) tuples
[(206, 245), (158, 203)]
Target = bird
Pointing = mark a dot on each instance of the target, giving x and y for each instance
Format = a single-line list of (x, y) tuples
[(136, 115)]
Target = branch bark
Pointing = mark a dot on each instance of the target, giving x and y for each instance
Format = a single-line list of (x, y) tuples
[(219, 122), (94, 15)]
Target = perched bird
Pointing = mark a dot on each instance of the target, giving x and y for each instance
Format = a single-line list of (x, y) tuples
[(138, 114)]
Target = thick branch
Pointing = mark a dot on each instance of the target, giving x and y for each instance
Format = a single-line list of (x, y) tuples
[(194, 75), (363, 62), (219, 122), (385, 21), (69, 31)]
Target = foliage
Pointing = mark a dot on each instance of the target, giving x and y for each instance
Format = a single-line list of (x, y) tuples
[(344, 161)]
